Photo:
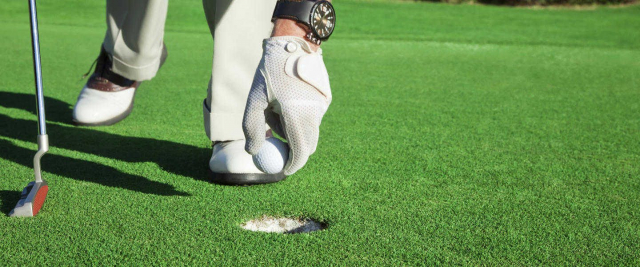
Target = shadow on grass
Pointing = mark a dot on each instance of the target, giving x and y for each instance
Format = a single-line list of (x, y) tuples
[(57, 111), (9, 199), (83, 170), (185, 160)]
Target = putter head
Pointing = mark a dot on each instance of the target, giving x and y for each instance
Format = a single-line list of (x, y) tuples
[(31, 200)]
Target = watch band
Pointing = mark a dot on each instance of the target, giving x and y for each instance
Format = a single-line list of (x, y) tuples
[(294, 9), (311, 37)]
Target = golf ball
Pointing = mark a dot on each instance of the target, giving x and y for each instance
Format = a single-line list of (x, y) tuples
[(272, 157)]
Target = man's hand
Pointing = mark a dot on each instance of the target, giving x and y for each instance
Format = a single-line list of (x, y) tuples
[(291, 93), (289, 27)]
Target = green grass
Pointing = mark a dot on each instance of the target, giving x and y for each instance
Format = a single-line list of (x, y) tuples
[(470, 135)]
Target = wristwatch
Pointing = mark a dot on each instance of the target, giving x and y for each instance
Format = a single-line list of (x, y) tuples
[(318, 15)]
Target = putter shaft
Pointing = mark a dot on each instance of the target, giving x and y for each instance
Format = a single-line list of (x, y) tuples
[(37, 67)]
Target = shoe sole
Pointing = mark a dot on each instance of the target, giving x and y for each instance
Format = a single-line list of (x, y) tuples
[(245, 178), (108, 122)]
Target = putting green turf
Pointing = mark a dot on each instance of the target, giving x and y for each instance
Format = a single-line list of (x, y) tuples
[(458, 134)]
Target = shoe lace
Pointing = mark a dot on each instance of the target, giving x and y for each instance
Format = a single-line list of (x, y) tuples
[(90, 68)]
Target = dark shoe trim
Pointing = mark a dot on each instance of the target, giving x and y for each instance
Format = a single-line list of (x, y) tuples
[(245, 178), (103, 84), (103, 70)]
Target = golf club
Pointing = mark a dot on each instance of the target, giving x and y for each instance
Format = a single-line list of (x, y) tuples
[(34, 194)]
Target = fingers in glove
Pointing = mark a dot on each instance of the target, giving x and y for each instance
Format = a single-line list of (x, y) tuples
[(302, 130), (253, 122)]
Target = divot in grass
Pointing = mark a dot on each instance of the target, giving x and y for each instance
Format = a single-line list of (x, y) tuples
[(270, 224)]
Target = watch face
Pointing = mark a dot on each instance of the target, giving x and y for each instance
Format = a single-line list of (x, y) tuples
[(323, 19)]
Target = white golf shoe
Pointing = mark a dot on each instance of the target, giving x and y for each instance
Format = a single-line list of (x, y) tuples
[(97, 107), (230, 164), (107, 97)]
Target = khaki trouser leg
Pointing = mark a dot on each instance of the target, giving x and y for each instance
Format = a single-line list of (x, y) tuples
[(135, 29), (238, 28)]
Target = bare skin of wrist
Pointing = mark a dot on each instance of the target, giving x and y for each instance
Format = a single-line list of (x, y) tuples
[(288, 27)]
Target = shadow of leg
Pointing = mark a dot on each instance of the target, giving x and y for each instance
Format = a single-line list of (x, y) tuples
[(8, 200), (57, 111), (173, 157), (86, 171)]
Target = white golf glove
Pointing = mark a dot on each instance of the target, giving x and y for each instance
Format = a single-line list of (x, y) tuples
[(291, 93)]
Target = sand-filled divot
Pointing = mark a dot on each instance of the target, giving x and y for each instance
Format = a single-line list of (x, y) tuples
[(270, 224)]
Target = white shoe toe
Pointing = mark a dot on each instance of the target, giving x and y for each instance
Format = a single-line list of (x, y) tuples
[(230, 157), (96, 107)]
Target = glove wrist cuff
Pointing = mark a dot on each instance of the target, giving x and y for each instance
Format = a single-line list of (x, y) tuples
[(303, 43)]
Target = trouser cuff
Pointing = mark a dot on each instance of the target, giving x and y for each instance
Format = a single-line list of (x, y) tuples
[(222, 126), (139, 73)]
